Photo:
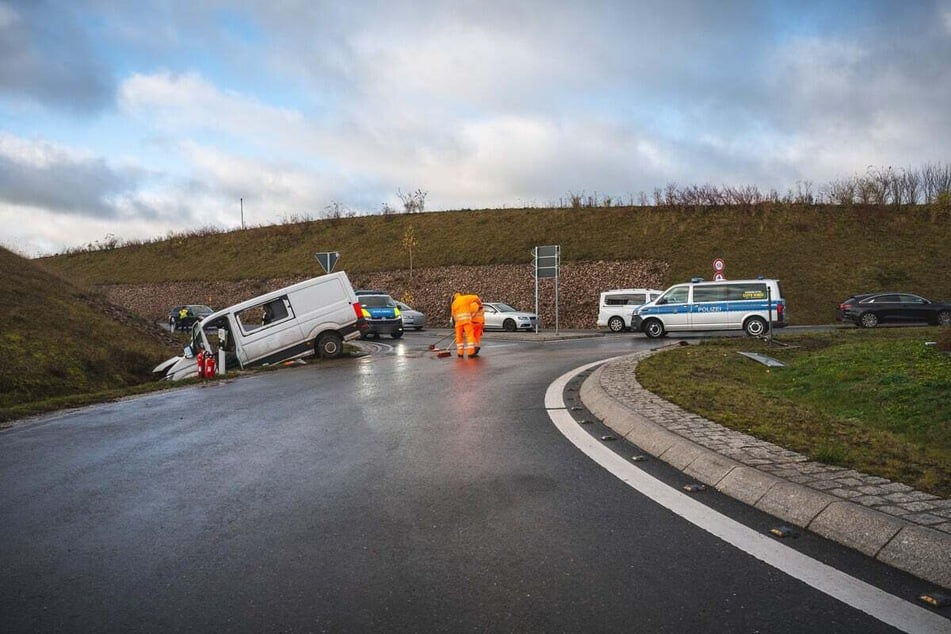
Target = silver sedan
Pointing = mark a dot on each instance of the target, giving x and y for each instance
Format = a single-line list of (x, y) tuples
[(411, 318)]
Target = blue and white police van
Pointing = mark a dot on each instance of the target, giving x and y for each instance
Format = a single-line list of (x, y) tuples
[(749, 305)]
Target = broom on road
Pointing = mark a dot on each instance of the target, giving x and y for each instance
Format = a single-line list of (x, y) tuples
[(442, 354)]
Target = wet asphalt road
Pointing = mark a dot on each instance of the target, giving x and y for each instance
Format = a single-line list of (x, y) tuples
[(398, 492)]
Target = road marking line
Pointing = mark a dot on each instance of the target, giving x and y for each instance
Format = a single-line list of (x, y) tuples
[(862, 596)]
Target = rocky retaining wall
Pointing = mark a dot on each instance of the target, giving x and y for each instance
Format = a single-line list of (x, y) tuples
[(428, 290)]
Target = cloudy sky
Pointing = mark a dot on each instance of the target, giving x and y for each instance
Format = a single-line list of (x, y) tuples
[(137, 119)]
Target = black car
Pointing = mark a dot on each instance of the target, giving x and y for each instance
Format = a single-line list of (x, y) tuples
[(871, 309), (177, 320)]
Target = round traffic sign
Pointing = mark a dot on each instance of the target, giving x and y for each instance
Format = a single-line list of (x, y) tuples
[(719, 264)]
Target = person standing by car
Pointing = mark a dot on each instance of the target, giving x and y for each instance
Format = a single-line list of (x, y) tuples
[(182, 316), (462, 319)]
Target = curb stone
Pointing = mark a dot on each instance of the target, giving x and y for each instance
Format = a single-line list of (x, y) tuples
[(645, 420)]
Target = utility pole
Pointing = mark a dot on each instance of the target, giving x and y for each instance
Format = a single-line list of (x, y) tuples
[(242, 213)]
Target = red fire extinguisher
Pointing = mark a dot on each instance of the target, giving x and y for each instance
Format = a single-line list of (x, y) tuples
[(209, 366), (200, 358)]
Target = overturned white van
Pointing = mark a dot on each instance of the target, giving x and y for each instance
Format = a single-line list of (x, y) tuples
[(311, 317)]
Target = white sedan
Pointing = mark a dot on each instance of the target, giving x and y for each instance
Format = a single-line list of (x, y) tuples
[(504, 317)]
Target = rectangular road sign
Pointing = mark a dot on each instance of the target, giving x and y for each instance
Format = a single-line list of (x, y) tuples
[(547, 259)]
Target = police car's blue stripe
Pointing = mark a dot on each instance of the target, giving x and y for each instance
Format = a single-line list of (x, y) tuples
[(709, 307)]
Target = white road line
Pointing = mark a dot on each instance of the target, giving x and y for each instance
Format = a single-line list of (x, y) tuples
[(862, 596)]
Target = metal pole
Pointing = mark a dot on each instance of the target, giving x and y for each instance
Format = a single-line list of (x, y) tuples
[(242, 213), (535, 254), (557, 276)]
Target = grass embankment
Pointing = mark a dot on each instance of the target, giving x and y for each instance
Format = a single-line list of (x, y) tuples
[(822, 254), (62, 346), (876, 401)]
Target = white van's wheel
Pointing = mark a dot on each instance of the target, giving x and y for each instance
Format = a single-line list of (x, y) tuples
[(755, 326), (616, 324), (654, 328), (329, 345)]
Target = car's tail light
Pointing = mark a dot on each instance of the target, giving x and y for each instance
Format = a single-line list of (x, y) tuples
[(358, 309), (845, 306), (780, 311)]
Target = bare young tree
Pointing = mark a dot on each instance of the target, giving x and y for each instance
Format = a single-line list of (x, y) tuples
[(409, 243), (910, 186), (576, 201), (413, 202), (334, 211), (842, 192)]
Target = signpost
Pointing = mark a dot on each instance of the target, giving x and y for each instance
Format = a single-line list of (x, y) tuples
[(327, 260), (719, 269), (547, 263)]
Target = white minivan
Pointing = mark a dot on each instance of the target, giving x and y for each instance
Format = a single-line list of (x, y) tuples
[(749, 305), (616, 307), (311, 317)]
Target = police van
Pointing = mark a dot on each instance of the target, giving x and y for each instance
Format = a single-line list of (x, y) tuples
[(749, 305), (616, 306)]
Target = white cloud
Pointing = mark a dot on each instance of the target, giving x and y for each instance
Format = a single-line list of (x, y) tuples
[(187, 107), (187, 102)]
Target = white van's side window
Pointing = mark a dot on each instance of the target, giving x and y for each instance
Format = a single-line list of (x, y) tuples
[(627, 299), (261, 315), (738, 292), (709, 293)]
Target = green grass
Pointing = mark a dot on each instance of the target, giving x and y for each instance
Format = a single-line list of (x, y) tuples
[(62, 344), (822, 254), (877, 401)]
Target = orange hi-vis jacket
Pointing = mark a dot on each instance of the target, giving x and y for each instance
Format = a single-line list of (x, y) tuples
[(462, 308), (477, 311)]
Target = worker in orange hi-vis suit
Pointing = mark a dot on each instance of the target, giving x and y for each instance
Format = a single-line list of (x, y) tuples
[(462, 319), (478, 323)]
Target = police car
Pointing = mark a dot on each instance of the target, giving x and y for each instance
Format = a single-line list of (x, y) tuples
[(382, 315), (748, 305)]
